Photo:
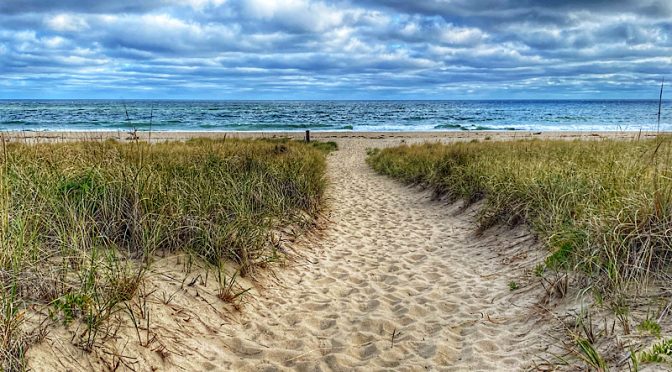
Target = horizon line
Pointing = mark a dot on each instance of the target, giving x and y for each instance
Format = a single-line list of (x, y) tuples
[(336, 99)]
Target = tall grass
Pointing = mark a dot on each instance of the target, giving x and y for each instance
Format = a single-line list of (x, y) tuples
[(81, 222), (603, 208)]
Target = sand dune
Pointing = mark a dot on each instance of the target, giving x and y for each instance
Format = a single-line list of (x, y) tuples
[(395, 280), (392, 262)]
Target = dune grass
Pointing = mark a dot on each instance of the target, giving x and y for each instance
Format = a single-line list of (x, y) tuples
[(81, 222), (602, 208)]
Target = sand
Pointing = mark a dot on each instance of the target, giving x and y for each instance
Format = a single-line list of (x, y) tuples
[(392, 280), (375, 139), (397, 281)]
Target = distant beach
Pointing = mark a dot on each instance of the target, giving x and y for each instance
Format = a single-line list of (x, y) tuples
[(368, 138)]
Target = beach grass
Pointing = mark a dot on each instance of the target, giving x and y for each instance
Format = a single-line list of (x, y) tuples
[(81, 222), (603, 208)]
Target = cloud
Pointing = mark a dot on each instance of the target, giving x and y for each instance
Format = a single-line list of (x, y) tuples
[(334, 48), (294, 15), (66, 23), (81, 6)]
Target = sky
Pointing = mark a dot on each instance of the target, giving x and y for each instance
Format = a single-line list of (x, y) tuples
[(310, 49)]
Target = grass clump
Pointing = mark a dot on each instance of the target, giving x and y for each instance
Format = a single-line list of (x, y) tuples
[(650, 326), (327, 146), (660, 352), (603, 208), (81, 222)]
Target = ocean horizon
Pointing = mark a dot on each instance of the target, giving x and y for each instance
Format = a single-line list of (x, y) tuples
[(333, 115)]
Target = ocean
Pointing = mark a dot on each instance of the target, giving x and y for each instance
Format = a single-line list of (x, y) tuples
[(166, 115)]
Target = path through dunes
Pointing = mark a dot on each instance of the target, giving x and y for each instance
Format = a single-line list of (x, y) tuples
[(391, 262), (395, 281)]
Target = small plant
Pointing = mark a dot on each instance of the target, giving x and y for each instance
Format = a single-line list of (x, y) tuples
[(621, 310), (513, 285), (584, 337), (70, 306), (228, 291), (660, 352), (589, 354), (650, 326), (556, 286)]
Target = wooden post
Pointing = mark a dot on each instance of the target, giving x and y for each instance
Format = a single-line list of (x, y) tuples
[(307, 135)]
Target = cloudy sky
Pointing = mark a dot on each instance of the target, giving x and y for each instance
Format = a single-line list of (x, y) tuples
[(330, 49)]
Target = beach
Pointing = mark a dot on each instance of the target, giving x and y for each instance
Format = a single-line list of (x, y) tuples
[(395, 280), (390, 278), (374, 139), (315, 185)]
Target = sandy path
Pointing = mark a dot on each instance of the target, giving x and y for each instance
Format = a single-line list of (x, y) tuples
[(391, 262)]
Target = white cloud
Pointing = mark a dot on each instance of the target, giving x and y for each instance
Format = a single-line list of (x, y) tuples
[(53, 42), (66, 23), (415, 46), (461, 35), (301, 15), (202, 4)]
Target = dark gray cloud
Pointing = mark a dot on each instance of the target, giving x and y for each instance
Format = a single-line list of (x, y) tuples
[(334, 49)]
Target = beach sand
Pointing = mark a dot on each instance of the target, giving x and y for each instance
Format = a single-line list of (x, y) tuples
[(391, 280), (396, 281), (375, 139)]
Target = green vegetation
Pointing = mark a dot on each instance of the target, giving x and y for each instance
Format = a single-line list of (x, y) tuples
[(327, 146), (660, 352), (650, 326), (590, 355), (603, 208), (80, 222)]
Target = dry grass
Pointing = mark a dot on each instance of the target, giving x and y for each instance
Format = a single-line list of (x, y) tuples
[(603, 208), (81, 222)]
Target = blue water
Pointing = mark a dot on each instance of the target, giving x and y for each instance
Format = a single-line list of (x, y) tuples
[(77, 115)]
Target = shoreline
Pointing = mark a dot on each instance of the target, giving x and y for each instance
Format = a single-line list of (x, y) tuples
[(160, 136)]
